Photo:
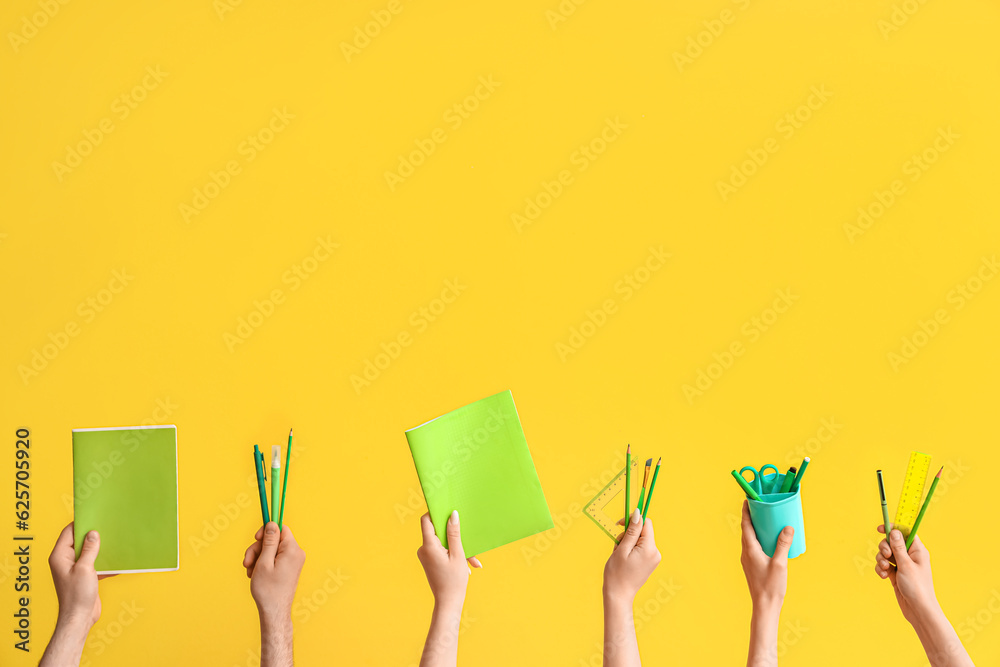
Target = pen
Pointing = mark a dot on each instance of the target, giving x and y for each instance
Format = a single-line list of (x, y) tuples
[(258, 461), (786, 483), (885, 509), (798, 475)]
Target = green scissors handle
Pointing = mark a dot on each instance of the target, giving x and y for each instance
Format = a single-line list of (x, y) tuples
[(762, 483)]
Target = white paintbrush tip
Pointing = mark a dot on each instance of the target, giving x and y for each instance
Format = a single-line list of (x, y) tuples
[(275, 456)]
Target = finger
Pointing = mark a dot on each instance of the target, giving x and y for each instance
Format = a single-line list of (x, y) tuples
[(427, 528), (631, 536), (646, 538), (750, 543), (880, 571), (63, 552), (454, 533), (884, 549), (475, 563), (259, 534), (106, 576), (783, 545), (89, 550), (269, 546), (898, 545), (621, 522), (881, 528), (917, 551), (252, 554), (287, 543)]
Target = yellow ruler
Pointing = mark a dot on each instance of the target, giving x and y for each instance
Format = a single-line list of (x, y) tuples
[(608, 506), (913, 491)]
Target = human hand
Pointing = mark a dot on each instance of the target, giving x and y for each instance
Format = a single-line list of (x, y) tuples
[(274, 563), (448, 569), (76, 580), (632, 561), (911, 578), (767, 578)]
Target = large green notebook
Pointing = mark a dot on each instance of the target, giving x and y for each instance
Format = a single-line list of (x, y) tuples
[(125, 488), (475, 460)]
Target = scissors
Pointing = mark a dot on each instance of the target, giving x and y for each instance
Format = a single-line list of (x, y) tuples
[(762, 483)]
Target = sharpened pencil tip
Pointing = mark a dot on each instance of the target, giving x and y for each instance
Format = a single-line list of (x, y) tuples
[(289, 433), (658, 461), (939, 472), (628, 448)]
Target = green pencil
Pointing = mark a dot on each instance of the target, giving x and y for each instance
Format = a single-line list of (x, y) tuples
[(628, 479), (284, 484), (652, 485), (746, 486), (927, 501)]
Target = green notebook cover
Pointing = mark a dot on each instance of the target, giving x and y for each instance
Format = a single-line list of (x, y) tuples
[(476, 460), (125, 488)]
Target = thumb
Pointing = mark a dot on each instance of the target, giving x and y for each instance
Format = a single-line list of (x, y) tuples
[(898, 546), (91, 547), (632, 532), (784, 544), (454, 533), (269, 547)]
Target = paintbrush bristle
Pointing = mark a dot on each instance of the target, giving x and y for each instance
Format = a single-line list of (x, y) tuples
[(275, 454), (649, 462)]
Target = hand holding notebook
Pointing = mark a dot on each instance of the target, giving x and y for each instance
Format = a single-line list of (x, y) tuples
[(475, 460)]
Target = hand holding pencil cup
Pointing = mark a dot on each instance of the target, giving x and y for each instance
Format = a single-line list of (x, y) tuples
[(775, 501)]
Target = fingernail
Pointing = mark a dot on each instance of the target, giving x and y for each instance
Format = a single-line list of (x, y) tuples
[(453, 519), (636, 516), (92, 536), (787, 531), (271, 528)]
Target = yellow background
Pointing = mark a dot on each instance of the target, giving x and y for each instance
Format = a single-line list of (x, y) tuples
[(162, 337)]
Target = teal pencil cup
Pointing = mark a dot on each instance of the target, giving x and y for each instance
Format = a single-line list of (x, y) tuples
[(772, 514)]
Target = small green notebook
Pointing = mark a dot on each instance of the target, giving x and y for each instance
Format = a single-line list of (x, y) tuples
[(475, 460), (125, 488)]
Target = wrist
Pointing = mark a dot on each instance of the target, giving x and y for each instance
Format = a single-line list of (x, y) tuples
[(767, 605), (926, 613), (74, 626), (448, 605), (617, 600), (275, 620)]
